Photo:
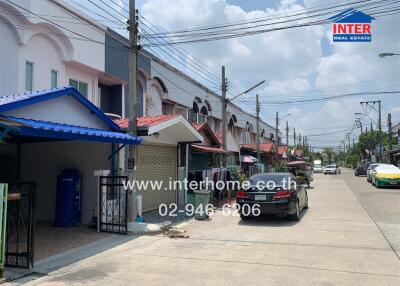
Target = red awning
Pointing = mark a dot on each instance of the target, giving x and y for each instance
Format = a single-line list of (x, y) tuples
[(209, 149), (294, 163)]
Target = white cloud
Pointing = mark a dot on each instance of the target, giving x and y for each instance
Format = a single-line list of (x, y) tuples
[(297, 85), (355, 62), (290, 60), (273, 56)]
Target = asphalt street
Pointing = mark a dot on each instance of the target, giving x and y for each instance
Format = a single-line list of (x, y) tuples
[(346, 237)]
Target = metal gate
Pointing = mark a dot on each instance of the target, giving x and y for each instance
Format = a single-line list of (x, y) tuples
[(113, 204), (20, 225)]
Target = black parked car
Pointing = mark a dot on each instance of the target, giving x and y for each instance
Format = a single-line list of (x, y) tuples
[(281, 200), (361, 169)]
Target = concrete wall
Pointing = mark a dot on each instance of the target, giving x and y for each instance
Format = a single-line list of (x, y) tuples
[(42, 162)]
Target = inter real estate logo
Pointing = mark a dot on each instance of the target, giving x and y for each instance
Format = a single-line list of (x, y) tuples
[(352, 26)]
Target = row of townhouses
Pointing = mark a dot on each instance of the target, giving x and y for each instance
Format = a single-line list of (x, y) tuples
[(64, 106)]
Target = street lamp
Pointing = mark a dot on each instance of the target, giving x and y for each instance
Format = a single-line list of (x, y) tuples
[(287, 115), (257, 121), (247, 91), (383, 55), (369, 117)]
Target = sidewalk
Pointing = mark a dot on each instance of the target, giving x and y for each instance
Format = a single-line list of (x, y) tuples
[(335, 243)]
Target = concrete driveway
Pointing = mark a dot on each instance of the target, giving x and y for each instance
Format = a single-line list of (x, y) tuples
[(335, 243)]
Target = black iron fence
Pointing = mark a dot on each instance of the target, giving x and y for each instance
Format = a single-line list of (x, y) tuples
[(20, 225), (113, 204)]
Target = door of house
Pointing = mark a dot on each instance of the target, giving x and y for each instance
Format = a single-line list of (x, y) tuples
[(113, 204), (19, 248), (157, 163)]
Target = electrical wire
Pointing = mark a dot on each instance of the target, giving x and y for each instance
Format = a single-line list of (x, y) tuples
[(212, 37)]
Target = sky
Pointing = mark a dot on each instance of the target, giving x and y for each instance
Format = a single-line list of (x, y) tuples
[(300, 63)]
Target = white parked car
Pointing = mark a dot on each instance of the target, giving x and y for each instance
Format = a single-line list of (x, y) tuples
[(332, 169), (317, 169)]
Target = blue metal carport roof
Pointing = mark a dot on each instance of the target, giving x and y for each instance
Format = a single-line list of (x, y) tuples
[(61, 131)]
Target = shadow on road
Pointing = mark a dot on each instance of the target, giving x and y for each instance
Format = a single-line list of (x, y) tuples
[(272, 221)]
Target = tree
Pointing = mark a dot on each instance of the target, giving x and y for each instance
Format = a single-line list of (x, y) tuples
[(370, 140), (329, 152)]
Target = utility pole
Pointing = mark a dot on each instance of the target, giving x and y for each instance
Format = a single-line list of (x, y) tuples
[(294, 137), (258, 127), (359, 124), (371, 128), (390, 131), (299, 139), (224, 125), (371, 104), (353, 144), (132, 157), (277, 139), (287, 134), (380, 130)]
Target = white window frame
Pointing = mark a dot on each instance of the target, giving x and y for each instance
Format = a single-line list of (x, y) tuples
[(33, 76), (51, 78)]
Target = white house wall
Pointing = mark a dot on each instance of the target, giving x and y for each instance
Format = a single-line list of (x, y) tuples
[(9, 59), (42, 162), (64, 109), (86, 52), (82, 60)]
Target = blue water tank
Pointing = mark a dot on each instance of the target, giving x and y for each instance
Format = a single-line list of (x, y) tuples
[(68, 201)]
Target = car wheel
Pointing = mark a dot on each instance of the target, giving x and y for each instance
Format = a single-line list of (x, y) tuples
[(296, 215), (306, 203)]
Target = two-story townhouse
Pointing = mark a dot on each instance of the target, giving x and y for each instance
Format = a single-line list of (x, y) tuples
[(48, 128)]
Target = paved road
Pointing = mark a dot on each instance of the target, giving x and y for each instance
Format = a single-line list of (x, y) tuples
[(382, 205), (336, 242)]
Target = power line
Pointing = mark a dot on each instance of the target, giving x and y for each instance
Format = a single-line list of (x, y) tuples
[(212, 37), (304, 12), (331, 97)]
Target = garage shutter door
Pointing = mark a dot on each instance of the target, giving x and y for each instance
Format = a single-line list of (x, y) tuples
[(157, 163)]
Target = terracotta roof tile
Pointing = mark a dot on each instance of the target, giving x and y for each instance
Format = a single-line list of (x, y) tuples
[(282, 149), (146, 121), (154, 120), (219, 136), (209, 149), (264, 147), (198, 126), (123, 123)]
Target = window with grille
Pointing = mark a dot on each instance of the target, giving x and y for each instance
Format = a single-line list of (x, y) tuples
[(81, 86)]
